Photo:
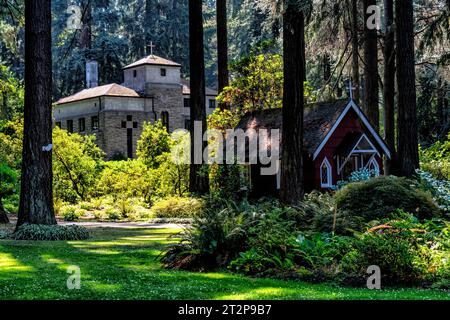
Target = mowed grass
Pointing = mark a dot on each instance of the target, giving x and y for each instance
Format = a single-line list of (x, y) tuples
[(123, 264)]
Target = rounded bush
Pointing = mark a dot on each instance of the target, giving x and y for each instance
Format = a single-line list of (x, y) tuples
[(377, 198), (71, 213), (178, 207), (50, 232)]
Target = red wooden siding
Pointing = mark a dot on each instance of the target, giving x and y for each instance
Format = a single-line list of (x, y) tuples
[(349, 124)]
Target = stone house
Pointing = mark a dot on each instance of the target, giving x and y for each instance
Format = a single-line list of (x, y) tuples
[(153, 89)]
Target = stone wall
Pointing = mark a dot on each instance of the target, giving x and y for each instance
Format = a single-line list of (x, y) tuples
[(168, 97)]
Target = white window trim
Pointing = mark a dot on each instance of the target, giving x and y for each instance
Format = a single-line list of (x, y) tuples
[(375, 164), (329, 183)]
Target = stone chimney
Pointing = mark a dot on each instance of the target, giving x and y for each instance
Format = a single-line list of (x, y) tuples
[(91, 74)]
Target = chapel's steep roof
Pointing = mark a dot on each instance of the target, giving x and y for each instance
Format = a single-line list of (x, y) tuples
[(187, 88), (318, 120), (112, 89), (153, 60)]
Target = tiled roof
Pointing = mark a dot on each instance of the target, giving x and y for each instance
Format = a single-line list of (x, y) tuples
[(187, 88), (153, 60), (112, 89), (319, 118)]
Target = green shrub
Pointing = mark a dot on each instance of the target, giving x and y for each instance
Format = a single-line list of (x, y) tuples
[(4, 234), (71, 213), (113, 214), (125, 207), (408, 252), (377, 198), (178, 207), (87, 206), (50, 232), (215, 237)]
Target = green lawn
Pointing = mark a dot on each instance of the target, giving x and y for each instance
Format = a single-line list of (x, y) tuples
[(122, 264)]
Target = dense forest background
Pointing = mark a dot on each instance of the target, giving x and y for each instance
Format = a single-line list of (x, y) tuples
[(117, 32)]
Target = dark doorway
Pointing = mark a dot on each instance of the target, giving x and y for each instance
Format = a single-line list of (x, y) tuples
[(130, 143)]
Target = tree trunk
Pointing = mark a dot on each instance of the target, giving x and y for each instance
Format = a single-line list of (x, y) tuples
[(371, 69), (355, 50), (408, 154), (147, 26), (199, 182), (389, 84), (85, 40), (36, 194), (222, 47), (292, 189), (326, 67), (440, 110), (3, 216)]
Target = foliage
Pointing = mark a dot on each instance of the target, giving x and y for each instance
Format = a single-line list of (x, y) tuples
[(77, 161), (214, 239), (11, 93), (440, 189), (71, 213), (407, 251), (172, 175), (363, 174), (37, 232), (8, 180), (376, 198), (273, 247), (436, 159), (178, 207), (125, 179), (113, 214), (154, 141), (11, 137), (257, 83)]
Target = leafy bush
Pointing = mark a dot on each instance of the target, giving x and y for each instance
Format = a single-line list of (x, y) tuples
[(113, 214), (363, 174), (376, 198), (436, 159), (408, 252), (439, 189), (71, 213), (50, 232), (77, 161), (126, 207), (215, 238), (178, 207), (273, 247), (4, 235), (154, 141), (125, 179)]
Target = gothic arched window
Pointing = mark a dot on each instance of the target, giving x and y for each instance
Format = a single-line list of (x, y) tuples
[(373, 165), (326, 177)]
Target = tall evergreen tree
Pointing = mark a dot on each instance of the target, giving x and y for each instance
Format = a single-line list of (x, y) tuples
[(222, 46), (355, 48), (408, 154), (389, 82), (292, 190), (198, 180), (371, 85), (36, 195)]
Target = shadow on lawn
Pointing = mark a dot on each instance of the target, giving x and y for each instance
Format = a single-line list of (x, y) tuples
[(123, 264)]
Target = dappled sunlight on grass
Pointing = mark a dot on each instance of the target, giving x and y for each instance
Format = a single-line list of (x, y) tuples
[(261, 293), (123, 264), (10, 264)]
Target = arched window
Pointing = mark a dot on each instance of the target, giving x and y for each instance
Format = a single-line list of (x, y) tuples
[(165, 119), (373, 165), (326, 177)]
